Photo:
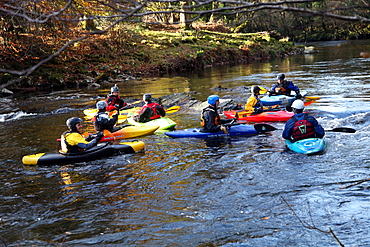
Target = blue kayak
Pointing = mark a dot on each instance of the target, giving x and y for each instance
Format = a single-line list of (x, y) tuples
[(307, 146), (280, 99), (234, 130)]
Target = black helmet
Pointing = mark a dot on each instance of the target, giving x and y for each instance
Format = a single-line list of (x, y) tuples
[(114, 89), (71, 123), (147, 97), (255, 89), (281, 77)]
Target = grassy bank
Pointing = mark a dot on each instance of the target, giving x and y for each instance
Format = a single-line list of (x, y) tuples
[(140, 51)]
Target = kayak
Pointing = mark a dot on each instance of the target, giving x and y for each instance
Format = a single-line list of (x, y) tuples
[(164, 123), (280, 99), (125, 133), (268, 116), (130, 132), (234, 130), (90, 113), (101, 150), (307, 146)]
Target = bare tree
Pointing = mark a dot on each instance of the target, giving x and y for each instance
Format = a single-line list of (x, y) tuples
[(32, 17)]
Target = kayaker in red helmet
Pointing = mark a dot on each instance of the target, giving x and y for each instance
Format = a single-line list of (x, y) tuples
[(151, 110), (210, 119), (114, 101), (301, 125), (72, 141)]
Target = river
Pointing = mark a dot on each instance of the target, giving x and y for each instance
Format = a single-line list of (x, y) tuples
[(189, 192)]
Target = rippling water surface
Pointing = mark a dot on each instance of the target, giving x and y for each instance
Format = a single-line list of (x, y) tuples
[(190, 192)]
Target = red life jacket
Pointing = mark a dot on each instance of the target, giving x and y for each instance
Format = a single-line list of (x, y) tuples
[(302, 129), (152, 106)]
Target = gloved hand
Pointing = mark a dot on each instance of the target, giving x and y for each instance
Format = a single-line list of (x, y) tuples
[(298, 96), (99, 136), (116, 106)]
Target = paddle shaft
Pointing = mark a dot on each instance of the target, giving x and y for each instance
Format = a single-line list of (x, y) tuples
[(267, 127)]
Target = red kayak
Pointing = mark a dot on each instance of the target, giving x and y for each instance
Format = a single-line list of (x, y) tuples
[(269, 116)]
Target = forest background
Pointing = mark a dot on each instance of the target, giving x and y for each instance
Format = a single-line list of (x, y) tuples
[(57, 44)]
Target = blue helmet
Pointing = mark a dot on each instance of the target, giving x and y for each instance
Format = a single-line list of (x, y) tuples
[(212, 99)]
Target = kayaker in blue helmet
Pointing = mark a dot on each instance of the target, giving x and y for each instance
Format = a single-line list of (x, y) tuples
[(301, 125), (102, 120), (210, 119), (114, 101), (72, 141), (151, 110), (254, 104)]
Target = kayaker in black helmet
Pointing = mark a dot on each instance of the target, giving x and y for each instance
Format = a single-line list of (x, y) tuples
[(254, 104), (114, 101), (72, 141), (210, 119), (284, 87), (102, 121), (151, 110)]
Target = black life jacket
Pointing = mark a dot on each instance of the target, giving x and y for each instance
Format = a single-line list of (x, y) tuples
[(302, 129), (217, 118)]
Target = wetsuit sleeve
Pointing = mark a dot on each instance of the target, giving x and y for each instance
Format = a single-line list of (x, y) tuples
[(293, 87), (144, 115), (319, 130), (288, 129)]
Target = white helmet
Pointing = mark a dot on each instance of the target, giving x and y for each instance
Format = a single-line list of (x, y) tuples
[(298, 104)]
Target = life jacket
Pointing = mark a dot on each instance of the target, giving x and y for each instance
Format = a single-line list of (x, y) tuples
[(152, 106), (302, 129), (217, 118), (283, 88), (66, 147)]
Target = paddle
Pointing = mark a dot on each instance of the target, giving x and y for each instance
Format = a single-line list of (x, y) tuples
[(172, 109), (267, 127)]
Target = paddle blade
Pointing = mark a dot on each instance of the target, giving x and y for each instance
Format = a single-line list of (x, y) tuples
[(264, 127), (342, 129), (312, 97), (173, 109)]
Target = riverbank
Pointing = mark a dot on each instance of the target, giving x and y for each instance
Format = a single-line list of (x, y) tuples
[(137, 52)]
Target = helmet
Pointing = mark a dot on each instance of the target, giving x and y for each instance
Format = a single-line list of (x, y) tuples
[(147, 97), (255, 89), (114, 89), (101, 105), (212, 99), (281, 77), (71, 123), (298, 104)]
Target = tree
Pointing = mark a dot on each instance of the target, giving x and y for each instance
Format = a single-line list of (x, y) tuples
[(24, 22)]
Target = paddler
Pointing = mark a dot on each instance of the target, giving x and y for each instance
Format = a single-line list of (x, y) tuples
[(114, 101), (254, 104), (151, 110), (211, 120), (102, 121), (301, 125), (72, 141), (284, 87)]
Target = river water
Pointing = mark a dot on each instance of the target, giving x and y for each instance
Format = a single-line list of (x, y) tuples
[(189, 192)]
